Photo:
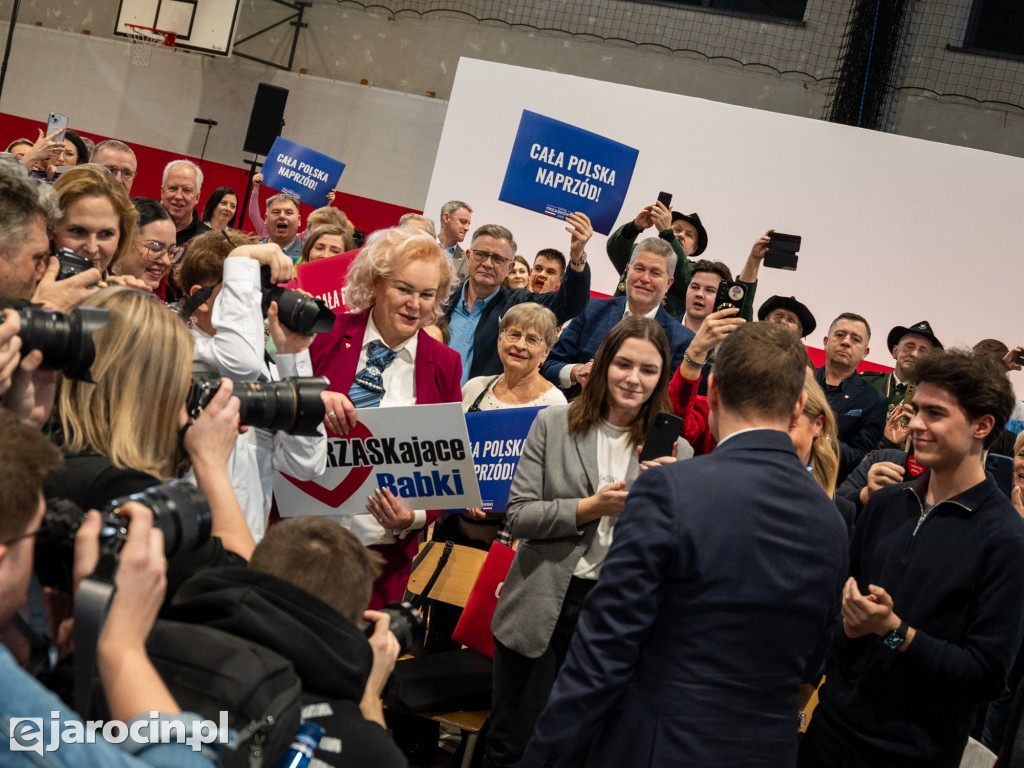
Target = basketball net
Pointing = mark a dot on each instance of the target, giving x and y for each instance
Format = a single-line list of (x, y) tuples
[(145, 40)]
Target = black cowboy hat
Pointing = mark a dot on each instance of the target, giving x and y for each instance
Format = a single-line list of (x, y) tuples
[(921, 329), (789, 302), (702, 234)]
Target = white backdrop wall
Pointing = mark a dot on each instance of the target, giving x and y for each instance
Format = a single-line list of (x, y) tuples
[(896, 229)]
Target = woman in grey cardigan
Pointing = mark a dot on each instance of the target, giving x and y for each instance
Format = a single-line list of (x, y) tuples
[(569, 488)]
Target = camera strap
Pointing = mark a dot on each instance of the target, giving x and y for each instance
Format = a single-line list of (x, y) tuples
[(193, 302), (92, 601), (419, 599)]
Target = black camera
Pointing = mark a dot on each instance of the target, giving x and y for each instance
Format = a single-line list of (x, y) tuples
[(72, 264), (64, 338), (291, 405), (408, 626), (296, 311), (180, 510)]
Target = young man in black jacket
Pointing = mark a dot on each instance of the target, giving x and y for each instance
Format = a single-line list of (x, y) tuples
[(303, 595), (933, 613)]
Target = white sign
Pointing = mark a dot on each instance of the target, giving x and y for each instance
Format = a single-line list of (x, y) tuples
[(421, 453)]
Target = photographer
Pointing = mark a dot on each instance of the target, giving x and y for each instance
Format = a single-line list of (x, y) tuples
[(304, 595), (132, 685), (29, 213), (228, 331), (121, 433)]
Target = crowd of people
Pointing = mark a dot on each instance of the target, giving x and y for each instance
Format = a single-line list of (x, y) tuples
[(806, 524)]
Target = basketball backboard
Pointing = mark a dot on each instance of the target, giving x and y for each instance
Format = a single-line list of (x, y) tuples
[(207, 26)]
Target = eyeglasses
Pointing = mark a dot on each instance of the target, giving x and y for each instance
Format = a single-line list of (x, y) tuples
[(174, 189), (496, 259), (514, 335), (66, 152), (124, 173), (156, 249)]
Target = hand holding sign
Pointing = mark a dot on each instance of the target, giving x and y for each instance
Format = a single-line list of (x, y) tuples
[(301, 171), (581, 232), (389, 511)]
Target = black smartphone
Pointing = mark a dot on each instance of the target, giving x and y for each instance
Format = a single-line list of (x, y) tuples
[(661, 436), (1019, 359), (729, 295), (1001, 469), (782, 250), (665, 198)]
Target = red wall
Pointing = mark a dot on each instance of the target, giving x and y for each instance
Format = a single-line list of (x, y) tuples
[(364, 213)]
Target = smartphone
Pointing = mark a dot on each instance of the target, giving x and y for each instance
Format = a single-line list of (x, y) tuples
[(729, 295), (1019, 359), (661, 436), (908, 401), (1001, 469), (57, 122), (665, 198), (782, 250)]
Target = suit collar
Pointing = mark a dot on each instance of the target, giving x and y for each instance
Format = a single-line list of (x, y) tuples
[(772, 439)]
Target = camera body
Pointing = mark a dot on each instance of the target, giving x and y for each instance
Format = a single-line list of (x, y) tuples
[(72, 264), (180, 510), (291, 405), (296, 311), (408, 626)]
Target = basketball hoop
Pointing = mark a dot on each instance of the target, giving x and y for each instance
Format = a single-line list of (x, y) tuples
[(144, 40)]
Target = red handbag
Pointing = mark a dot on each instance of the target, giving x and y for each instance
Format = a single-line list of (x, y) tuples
[(474, 627)]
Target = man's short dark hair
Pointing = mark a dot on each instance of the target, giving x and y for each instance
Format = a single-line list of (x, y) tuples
[(27, 459), (553, 254), (321, 557), (977, 381), (759, 370), (854, 317), (993, 347), (714, 267)]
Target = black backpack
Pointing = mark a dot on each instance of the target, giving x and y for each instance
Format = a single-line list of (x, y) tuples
[(208, 670)]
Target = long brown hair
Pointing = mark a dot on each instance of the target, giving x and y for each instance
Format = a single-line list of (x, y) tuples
[(590, 407)]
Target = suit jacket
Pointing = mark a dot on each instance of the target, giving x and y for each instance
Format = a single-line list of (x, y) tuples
[(860, 411), (460, 263), (438, 372), (566, 303), (555, 471), (723, 577), (580, 340)]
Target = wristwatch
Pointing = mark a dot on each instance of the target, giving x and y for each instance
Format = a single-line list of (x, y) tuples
[(897, 637)]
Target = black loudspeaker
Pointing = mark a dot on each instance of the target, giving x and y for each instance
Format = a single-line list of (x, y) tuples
[(266, 120)]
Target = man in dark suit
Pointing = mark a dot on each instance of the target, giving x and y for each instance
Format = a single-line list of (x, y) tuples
[(476, 308), (648, 278), (859, 408), (455, 222), (714, 600)]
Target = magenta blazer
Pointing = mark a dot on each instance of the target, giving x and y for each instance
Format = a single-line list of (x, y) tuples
[(438, 372)]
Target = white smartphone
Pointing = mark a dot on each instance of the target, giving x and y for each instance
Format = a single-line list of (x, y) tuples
[(57, 122)]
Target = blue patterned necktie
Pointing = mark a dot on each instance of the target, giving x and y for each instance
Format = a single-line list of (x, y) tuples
[(368, 387)]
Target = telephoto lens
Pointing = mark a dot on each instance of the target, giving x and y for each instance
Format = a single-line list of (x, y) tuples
[(64, 338), (296, 311)]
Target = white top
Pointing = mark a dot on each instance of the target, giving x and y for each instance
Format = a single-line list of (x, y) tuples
[(237, 348), (613, 454), (399, 380), (259, 452), (472, 389), (564, 380)]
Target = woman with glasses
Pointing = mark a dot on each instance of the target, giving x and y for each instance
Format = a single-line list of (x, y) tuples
[(378, 355), (154, 250), (72, 151), (98, 221), (566, 496)]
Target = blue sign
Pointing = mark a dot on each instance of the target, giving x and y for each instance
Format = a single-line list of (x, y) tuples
[(301, 171), (557, 169), (497, 439)]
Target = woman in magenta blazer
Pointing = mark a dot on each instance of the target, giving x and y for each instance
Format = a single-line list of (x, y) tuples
[(378, 356)]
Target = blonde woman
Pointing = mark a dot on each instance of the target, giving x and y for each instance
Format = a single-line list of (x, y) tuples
[(121, 431), (98, 221)]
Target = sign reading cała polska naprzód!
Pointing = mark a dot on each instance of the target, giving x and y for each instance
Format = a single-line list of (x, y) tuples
[(557, 169), (301, 171), (421, 453)]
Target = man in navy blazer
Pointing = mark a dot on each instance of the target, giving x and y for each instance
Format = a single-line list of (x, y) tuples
[(648, 278), (714, 601)]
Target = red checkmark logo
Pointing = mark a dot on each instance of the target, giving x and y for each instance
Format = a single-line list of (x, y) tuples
[(352, 482)]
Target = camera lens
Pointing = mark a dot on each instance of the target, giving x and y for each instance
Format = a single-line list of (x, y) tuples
[(65, 339), (180, 510), (291, 405), (296, 311)]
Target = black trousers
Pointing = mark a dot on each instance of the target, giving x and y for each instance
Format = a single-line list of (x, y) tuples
[(522, 685)]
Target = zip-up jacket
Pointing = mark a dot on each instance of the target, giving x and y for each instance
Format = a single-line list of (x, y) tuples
[(956, 575)]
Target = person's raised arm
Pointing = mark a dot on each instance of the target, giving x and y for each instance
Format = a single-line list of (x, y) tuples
[(620, 242), (385, 651), (255, 216)]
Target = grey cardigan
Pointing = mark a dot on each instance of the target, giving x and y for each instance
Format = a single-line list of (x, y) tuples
[(555, 471)]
